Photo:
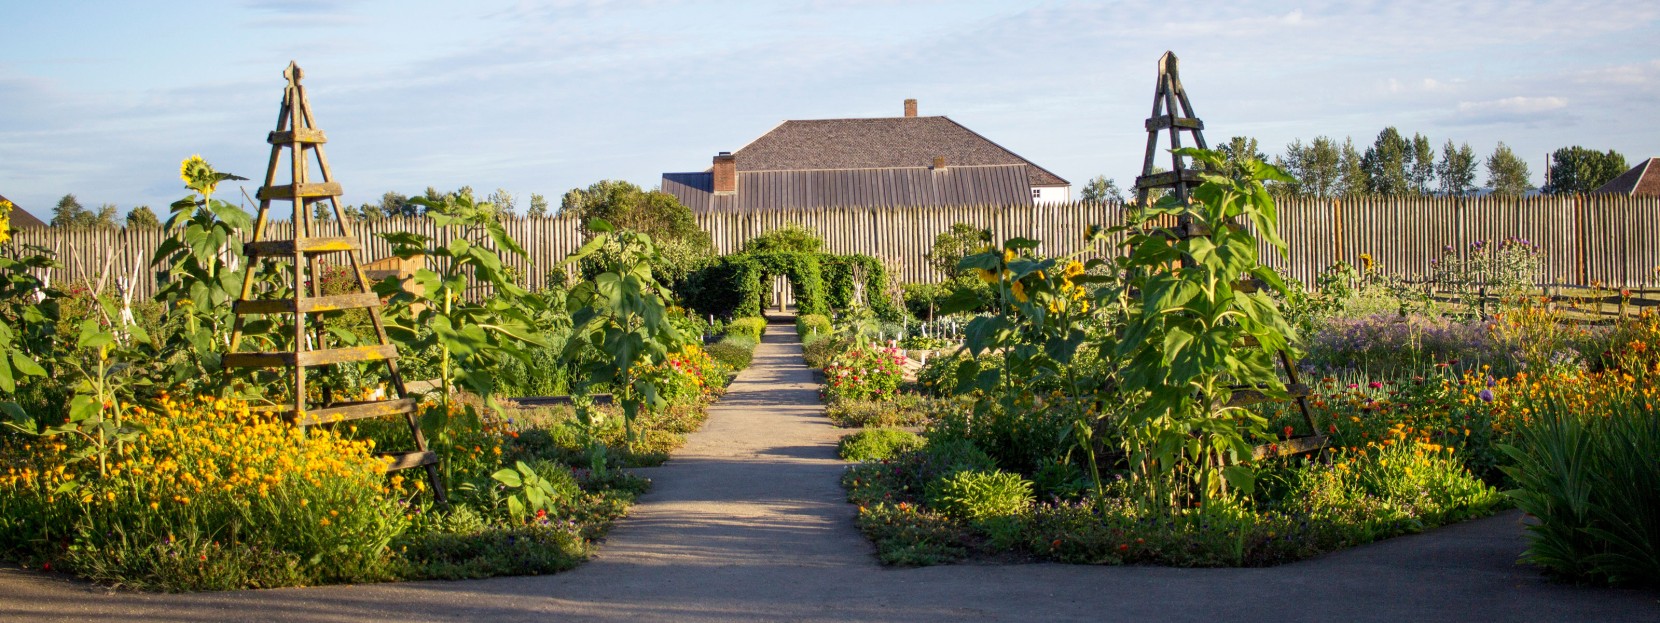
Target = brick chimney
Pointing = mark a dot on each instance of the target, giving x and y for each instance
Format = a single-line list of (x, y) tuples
[(726, 173), (910, 108), (939, 163)]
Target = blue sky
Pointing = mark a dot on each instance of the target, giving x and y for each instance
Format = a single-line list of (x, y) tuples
[(102, 99)]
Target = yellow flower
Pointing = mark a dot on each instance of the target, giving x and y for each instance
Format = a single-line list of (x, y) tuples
[(986, 275), (1020, 292), (1366, 262), (1074, 268), (1008, 255), (6, 220)]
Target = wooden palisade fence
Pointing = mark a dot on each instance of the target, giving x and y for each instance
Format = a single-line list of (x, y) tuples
[(1611, 240)]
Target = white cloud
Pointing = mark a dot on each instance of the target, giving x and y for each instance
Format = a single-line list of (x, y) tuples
[(1517, 109)]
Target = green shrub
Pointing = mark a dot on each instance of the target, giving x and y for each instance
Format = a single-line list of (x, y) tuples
[(1588, 471), (733, 351), (813, 327), (749, 326), (905, 410), (948, 455), (818, 353), (980, 494), (876, 444), (864, 373)]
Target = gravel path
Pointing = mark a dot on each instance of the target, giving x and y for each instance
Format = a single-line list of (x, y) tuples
[(748, 522)]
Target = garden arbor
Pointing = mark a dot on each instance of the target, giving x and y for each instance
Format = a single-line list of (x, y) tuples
[(1173, 114), (738, 285), (300, 296)]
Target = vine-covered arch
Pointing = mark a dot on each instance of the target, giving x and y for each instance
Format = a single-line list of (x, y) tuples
[(737, 285)]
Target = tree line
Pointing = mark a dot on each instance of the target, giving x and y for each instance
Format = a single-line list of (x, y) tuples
[(1396, 165)]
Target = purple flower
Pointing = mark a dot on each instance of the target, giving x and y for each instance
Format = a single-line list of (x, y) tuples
[(1486, 395)]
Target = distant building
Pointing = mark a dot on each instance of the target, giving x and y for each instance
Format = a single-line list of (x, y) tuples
[(22, 219), (1642, 180), (907, 161)]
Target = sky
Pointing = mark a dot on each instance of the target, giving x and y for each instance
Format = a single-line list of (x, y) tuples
[(103, 99)]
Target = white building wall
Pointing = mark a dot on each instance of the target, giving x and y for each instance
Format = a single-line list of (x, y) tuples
[(1051, 194)]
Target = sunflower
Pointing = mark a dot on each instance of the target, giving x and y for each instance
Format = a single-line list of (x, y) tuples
[(197, 174), (1020, 292), (5, 220)]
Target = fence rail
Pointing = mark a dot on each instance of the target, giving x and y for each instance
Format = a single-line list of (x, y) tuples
[(1604, 239)]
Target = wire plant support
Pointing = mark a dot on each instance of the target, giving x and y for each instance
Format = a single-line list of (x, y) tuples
[(1173, 114), (298, 134)]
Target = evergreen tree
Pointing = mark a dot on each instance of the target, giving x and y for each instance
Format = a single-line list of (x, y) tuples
[(1237, 150), (1317, 167), (1580, 170), (1101, 189), (108, 217), (1351, 170), (1385, 164), (142, 217), (395, 204), (538, 205), (1457, 169), (506, 204), (1422, 171), (1507, 173), (70, 213)]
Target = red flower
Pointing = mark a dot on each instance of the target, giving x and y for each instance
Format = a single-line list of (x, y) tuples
[(541, 513), (1288, 431)]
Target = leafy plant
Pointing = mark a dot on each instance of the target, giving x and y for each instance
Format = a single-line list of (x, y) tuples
[(1587, 472), (1185, 340), (876, 444), (978, 495), (200, 270), (751, 327), (528, 491), (621, 312), (470, 337)]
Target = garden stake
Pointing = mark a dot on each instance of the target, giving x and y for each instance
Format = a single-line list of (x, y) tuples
[(297, 132), (1167, 97)]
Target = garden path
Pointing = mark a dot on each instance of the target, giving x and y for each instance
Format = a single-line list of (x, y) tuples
[(748, 522)]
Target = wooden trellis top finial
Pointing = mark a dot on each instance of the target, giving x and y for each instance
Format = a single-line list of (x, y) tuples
[(293, 73), (1167, 63)]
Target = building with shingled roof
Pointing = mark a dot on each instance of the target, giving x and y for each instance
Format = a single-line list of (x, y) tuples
[(1642, 180), (908, 161), (21, 218)]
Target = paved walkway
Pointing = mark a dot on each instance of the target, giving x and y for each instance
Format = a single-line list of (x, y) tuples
[(748, 522)]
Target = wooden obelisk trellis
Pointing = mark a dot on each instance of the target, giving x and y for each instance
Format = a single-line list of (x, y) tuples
[(1173, 113), (297, 132)]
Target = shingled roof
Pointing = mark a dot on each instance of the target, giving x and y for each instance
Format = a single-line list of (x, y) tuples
[(22, 218), (911, 187), (1642, 180), (881, 143)]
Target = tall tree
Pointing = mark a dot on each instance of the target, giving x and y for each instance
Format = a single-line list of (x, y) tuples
[(506, 204), (1580, 170), (1317, 167), (1457, 170), (1385, 163), (1422, 171), (396, 204), (538, 205), (1237, 150), (1351, 170), (70, 213), (108, 217), (1101, 189), (1507, 173), (322, 212), (142, 217)]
